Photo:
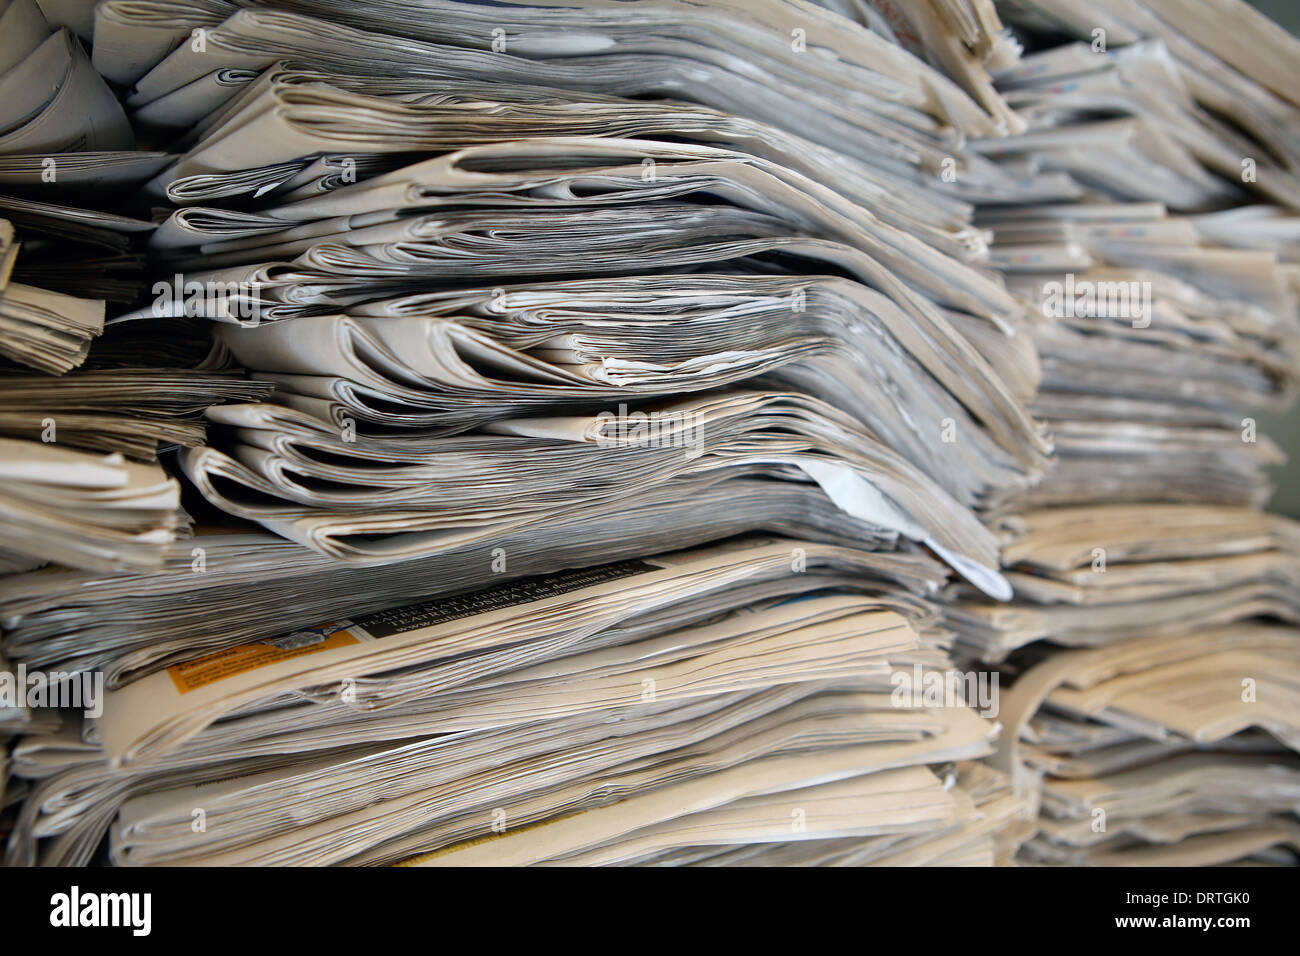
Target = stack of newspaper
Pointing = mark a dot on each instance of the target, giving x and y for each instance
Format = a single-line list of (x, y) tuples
[(685, 703), (1153, 640), (652, 434), (572, 376), (39, 328), (1158, 751), (82, 509), (386, 307), (542, 303)]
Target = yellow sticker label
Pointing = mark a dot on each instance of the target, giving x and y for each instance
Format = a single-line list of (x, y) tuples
[(203, 671)]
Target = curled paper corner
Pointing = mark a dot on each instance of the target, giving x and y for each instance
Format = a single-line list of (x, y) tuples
[(988, 580)]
